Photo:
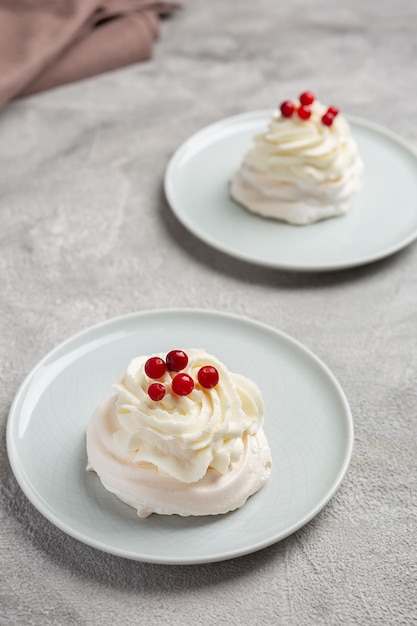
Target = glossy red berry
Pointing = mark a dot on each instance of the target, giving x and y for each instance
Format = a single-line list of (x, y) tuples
[(327, 119), (304, 112), (156, 391), (176, 360), (287, 108), (333, 111), (208, 376), (307, 98), (182, 384), (155, 367)]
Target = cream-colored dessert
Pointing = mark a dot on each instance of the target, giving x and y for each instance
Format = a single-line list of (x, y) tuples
[(305, 167), (197, 448)]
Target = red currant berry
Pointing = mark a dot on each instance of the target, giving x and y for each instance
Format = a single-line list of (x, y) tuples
[(333, 111), (327, 119), (304, 112), (155, 367), (287, 108), (307, 98), (176, 360), (156, 391), (208, 376), (182, 384)]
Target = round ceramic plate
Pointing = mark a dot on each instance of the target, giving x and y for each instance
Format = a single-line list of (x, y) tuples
[(382, 220), (307, 422)]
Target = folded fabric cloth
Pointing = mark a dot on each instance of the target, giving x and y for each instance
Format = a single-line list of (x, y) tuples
[(45, 43)]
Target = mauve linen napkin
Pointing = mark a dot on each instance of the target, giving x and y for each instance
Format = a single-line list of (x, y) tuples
[(45, 43)]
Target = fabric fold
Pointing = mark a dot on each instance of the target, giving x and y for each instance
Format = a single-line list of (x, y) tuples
[(46, 43)]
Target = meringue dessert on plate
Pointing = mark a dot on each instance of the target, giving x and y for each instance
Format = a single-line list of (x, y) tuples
[(304, 168), (181, 435)]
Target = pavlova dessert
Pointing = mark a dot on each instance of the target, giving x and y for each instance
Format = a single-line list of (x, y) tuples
[(305, 167), (181, 435)]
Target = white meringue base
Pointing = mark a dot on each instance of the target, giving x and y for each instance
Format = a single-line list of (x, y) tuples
[(143, 487), (265, 201)]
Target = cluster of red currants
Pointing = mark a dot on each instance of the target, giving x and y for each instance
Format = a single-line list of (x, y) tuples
[(288, 108), (182, 384)]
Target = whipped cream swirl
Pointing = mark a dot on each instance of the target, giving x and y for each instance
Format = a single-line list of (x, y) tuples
[(184, 436), (300, 171)]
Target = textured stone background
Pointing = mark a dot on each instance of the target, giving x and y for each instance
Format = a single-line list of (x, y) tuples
[(87, 235)]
